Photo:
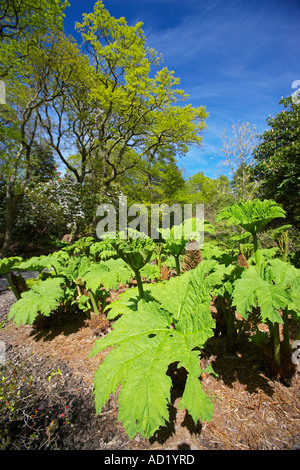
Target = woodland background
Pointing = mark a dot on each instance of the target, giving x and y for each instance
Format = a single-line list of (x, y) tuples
[(85, 123)]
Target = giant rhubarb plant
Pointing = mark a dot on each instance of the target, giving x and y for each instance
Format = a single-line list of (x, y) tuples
[(273, 288), (170, 328), (136, 250), (43, 298), (177, 237), (69, 281), (6, 266), (252, 216)]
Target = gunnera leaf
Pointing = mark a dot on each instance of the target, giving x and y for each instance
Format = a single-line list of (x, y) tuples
[(42, 298), (7, 264), (145, 342), (266, 285), (109, 274)]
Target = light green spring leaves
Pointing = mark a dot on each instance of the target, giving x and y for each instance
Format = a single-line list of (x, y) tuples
[(150, 337), (252, 215), (43, 297), (272, 285)]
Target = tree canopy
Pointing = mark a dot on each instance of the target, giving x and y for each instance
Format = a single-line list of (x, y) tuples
[(111, 120), (105, 108), (276, 160)]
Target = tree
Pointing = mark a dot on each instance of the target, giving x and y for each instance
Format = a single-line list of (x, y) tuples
[(276, 166), (69, 121), (200, 189), (135, 114), (17, 17), (43, 165), (26, 59), (238, 152), (153, 180), (101, 107)]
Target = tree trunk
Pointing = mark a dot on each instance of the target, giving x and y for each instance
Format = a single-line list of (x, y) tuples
[(12, 202)]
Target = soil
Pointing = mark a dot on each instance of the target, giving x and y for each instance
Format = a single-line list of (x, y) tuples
[(47, 396)]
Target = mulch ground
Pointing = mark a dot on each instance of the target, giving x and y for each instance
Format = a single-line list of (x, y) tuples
[(47, 396)]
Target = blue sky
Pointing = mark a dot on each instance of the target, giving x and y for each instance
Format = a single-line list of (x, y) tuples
[(235, 57)]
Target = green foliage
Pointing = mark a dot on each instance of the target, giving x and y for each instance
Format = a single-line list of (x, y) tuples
[(7, 264), (252, 216), (253, 290), (72, 280), (167, 323), (109, 273), (271, 286), (42, 298), (136, 250), (213, 251), (146, 341), (200, 189), (21, 19), (276, 160), (102, 251), (154, 179)]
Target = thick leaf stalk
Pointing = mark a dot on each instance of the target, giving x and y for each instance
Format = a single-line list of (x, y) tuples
[(276, 344), (12, 286), (139, 283), (256, 250)]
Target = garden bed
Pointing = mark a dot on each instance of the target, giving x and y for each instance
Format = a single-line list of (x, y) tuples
[(55, 406)]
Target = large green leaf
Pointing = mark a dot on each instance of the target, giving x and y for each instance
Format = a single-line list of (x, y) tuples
[(171, 295), (7, 264), (99, 275), (37, 263), (253, 215), (267, 286), (108, 274), (120, 269), (76, 267), (145, 342), (183, 296), (42, 298), (136, 250), (278, 272)]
